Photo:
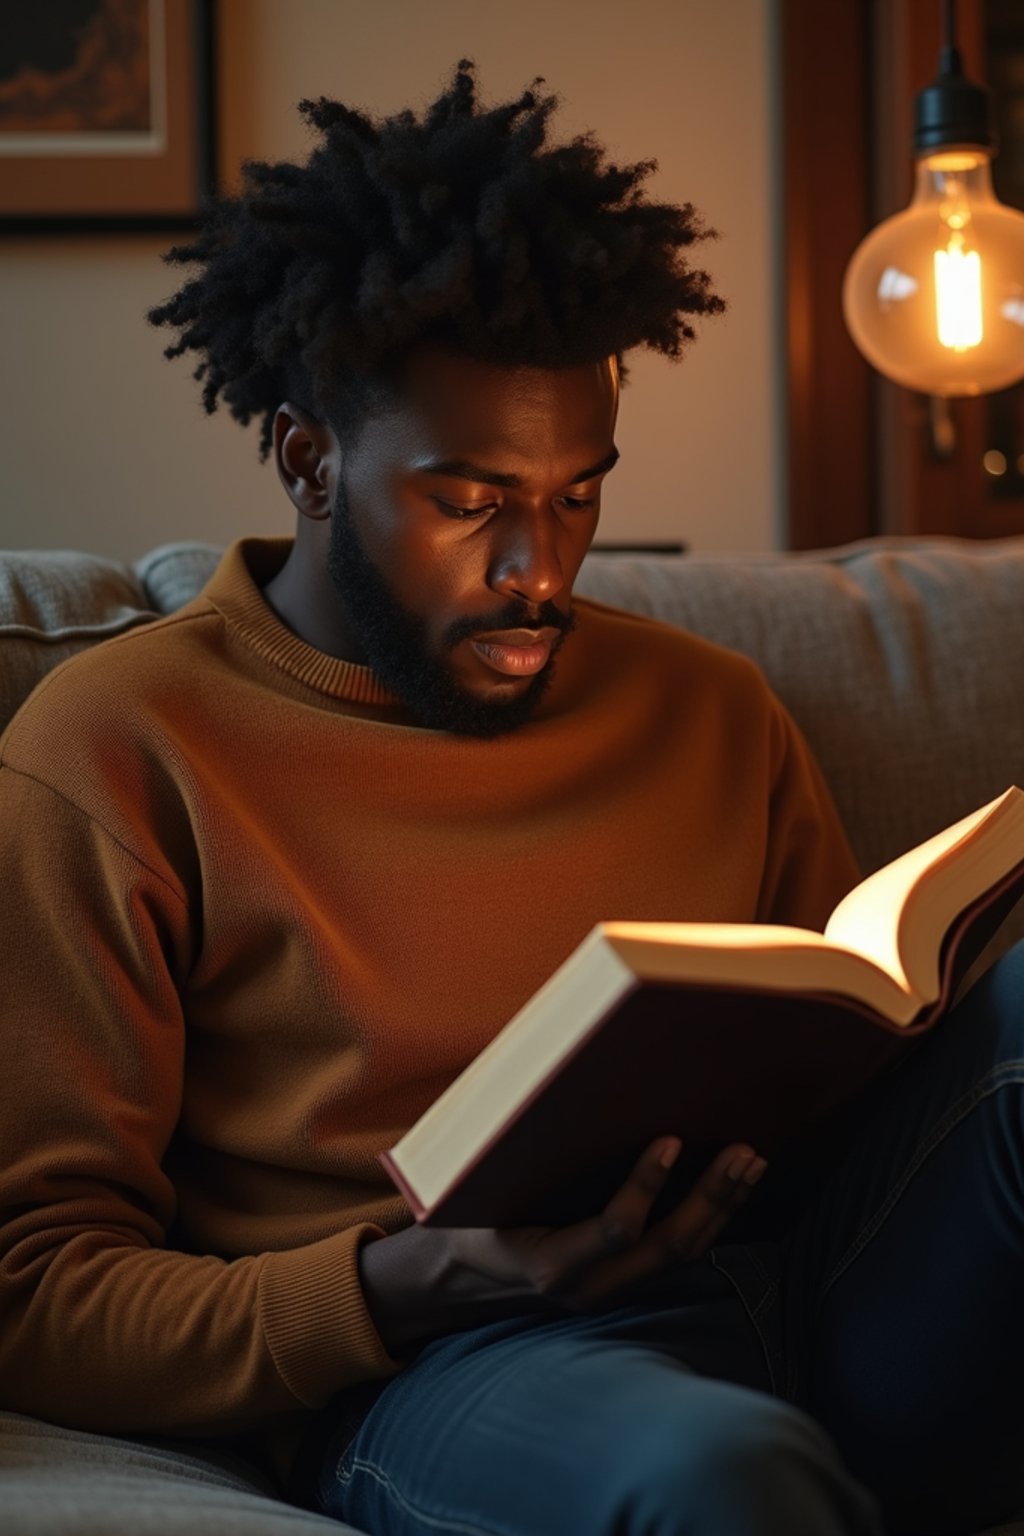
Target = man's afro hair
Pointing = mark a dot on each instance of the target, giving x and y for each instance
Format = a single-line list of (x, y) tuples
[(461, 227)]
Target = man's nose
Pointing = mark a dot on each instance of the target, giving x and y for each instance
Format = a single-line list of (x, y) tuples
[(527, 559)]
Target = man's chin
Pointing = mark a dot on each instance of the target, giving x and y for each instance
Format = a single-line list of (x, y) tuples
[(503, 708)]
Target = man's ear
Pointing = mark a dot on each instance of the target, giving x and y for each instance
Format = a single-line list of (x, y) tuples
[(307, 456)]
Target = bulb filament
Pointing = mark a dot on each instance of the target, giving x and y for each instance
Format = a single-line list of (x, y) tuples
[(958, 295)]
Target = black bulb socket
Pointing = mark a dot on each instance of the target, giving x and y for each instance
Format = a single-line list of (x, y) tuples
[(953, 111)]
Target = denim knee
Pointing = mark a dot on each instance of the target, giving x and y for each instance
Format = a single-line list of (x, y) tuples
[(754, 1464)]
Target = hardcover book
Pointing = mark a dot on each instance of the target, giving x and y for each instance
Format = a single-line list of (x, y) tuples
[(712, 1032)]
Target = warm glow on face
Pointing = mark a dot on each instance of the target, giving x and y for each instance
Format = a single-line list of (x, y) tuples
[(958, 296)]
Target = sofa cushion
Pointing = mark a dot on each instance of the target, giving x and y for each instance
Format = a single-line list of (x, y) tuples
[(172, 574), (64, 1482), (54, 603)]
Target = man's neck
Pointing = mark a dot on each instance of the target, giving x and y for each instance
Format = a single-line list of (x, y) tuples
[(303, 597)]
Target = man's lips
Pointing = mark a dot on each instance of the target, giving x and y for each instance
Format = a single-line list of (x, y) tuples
[(516, 652)]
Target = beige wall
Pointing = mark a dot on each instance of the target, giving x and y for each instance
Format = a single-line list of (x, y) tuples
[(104, 444)]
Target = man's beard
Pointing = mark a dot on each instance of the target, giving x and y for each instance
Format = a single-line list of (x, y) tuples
[(396, 647)]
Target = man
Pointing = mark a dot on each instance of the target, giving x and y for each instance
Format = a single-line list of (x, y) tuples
[(280, 865)]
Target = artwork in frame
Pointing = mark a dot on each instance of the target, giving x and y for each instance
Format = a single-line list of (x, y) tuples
[(106, 114)]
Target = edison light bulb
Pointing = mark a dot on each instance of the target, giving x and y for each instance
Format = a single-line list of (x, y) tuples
[(934, 297)]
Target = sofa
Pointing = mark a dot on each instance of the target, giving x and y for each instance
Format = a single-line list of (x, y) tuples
[(902, 661)]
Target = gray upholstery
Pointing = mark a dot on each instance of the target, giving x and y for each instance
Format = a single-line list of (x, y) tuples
[(62, 1482), (902, 661), (54, 603)]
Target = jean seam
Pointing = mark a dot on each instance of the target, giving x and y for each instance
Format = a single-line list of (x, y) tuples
[(753, 1315), (1006, 1072), (341, 1474), (769, 1281), (766, 1300), (435, 1522)]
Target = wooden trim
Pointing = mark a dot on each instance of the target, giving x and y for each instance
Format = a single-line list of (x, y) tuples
[(825, 130)]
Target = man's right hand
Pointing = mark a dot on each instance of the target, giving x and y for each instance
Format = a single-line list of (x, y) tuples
[(426, 1281)]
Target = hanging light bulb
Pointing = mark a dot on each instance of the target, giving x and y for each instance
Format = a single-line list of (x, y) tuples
[(934, 297)]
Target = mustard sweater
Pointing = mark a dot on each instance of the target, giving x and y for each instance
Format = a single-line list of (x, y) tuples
[(255, 920)]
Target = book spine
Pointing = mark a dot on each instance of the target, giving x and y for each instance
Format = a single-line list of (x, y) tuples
[(387, 1162)]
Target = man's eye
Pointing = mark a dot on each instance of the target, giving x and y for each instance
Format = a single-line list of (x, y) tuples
[(460, 514), (577, 503)]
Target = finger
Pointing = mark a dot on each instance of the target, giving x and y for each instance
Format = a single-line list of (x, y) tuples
[(625, 1217), (571, 1251), (629, 1208), (691, 1229), (688, 1231)]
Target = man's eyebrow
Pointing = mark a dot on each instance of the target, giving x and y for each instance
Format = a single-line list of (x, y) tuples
[(462, 469)]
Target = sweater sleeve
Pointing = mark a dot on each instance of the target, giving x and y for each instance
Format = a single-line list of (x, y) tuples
[(809, 864), (103, 1326)]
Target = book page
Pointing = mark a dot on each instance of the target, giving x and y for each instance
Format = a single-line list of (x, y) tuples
[(899, 915), (762, 956)]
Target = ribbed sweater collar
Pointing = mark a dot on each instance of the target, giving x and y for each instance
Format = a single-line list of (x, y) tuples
[(234, 590)]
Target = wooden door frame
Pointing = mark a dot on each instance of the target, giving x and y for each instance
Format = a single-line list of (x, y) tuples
[(831, 475)]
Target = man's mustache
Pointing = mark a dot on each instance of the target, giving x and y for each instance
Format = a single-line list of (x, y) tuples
[(513, 616)]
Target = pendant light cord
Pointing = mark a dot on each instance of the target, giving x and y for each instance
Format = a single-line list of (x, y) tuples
[(950, 62), (949, 7)]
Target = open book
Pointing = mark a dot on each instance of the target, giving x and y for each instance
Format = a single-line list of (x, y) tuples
[(712, 1032)]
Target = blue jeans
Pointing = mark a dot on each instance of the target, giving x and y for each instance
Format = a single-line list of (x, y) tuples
[(849, 1362)]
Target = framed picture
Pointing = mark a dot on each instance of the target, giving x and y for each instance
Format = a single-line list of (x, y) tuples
[(106, 114)]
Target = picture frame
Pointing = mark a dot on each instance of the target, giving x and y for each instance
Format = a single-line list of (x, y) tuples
[(106, 116)]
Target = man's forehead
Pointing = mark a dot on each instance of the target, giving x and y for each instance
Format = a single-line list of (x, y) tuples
[(462, 410)]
